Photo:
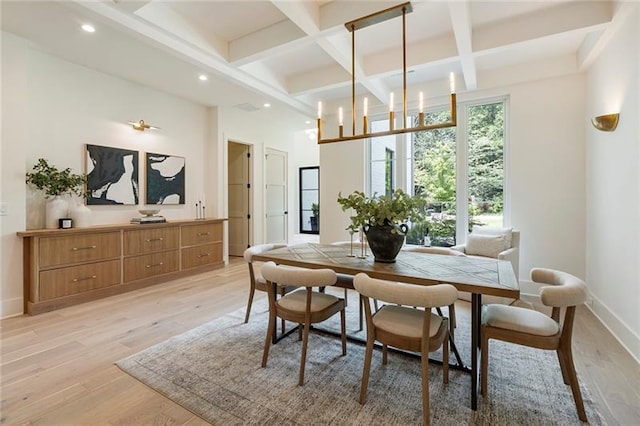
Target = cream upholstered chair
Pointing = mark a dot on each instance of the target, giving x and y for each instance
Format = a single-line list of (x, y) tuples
[(404, 327), (445, 251), (303, 306), (497, 243), (256, 280), (535, 329)]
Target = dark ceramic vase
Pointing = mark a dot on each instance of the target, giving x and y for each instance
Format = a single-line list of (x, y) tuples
[(385, 245)]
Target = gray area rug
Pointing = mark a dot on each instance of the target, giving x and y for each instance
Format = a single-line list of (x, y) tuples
[(214, 371)]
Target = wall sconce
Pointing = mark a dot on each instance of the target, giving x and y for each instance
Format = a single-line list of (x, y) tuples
[(141, 126), (606, 123)]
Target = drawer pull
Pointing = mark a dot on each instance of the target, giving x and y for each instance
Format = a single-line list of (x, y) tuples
[(155, 264), (150, 240), (202, 234), (204, 255), (83, 248), (75, 280)]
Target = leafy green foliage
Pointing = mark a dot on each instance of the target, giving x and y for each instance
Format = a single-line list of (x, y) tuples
[(53, 181), (315, 209), (398, 209)]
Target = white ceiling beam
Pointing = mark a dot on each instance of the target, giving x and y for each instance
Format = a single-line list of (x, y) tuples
[(267, 42), (567, 17), (461, 24), (307, 16), (162, 16), (193, 54), (593, 46)]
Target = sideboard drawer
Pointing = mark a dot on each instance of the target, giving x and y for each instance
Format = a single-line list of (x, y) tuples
[(201, 255), (201, 234), (77, 279), (150, 240), (149, 265), (78, 248)]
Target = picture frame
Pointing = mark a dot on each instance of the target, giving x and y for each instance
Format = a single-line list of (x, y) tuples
[(112, 175), (165, 179)]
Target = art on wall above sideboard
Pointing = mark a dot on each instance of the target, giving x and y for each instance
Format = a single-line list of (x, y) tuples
[(112, 175), (165, 179)]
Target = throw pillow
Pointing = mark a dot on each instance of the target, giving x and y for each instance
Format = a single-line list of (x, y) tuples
[(490, 230), (484, 245)]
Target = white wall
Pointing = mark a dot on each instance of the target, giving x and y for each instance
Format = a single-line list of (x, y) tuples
[(51, 108), (613, 185)]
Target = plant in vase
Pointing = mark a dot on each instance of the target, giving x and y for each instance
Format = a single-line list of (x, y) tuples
[(55, 183), (384, 219), (315, 218)]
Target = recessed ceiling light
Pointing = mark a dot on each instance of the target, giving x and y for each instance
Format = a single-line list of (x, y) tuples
[(203, 77), (266, 105), (89, 28), (307, 122)]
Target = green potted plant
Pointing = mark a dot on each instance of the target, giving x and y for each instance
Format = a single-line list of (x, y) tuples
[(315, 218), (54, 183), (384, 219)]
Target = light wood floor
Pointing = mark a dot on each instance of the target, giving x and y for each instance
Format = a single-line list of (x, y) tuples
[(58, 368)]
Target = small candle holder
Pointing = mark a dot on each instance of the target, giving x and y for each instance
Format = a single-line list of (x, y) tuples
[(351, 245)]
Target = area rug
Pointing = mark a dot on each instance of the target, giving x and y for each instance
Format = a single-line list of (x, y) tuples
[(214, 371)]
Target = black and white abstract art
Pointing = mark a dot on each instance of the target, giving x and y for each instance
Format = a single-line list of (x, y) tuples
[(112, 175), (165, 179)]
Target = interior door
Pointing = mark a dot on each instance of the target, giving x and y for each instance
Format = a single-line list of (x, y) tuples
[(276, 196), (239, 187)]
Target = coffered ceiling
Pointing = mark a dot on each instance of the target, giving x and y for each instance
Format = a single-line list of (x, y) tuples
[(296, 53)]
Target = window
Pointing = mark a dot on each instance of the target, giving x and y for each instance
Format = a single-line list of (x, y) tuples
[(459, 170), (309, 213)]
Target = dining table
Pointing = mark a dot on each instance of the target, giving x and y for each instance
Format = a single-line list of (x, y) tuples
[(476, 275)]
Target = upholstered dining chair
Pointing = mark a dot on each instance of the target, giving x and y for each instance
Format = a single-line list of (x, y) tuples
[(404, 327), (256, 279), (303, 306), (346, 280), (535, 329), (445, 251)]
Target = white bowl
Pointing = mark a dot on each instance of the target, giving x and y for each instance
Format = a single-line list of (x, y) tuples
[(148, 212)]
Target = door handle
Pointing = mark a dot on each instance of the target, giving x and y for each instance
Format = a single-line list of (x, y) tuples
[(286, 212)]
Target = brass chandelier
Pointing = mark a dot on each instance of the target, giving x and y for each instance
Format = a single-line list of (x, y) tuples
[(352, 26)]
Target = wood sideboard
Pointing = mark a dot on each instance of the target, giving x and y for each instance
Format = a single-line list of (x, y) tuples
[(64, 267)]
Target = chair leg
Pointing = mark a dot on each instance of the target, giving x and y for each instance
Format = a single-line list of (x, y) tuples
[(267, 343), (452, 318), (563, 368), (384, 354), (484, 362), (346, 298), (283, 322), (251, 293), (299, 332), (303, 356), (361, 312), (343, 329), (366, 369), (424, 361), (445, 359), (566, 354)]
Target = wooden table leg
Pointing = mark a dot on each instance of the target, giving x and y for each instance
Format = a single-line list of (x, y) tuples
[(476, 324)]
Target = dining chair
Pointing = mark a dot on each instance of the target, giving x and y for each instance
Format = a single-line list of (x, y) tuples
[(401, 326), (303, 306), (534, 329), (256, 280), (346, 280), (445, 251)]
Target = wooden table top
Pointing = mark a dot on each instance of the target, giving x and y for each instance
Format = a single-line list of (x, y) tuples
[(485, 276)]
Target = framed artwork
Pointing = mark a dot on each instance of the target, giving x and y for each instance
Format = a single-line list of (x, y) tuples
[(112, 175), (165, 179)]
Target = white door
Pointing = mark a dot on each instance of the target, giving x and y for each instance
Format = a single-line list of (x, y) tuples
[(276, 196), (239, 190)]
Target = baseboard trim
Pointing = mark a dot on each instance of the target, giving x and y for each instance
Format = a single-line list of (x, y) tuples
[(11, 308), (629, 340)]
